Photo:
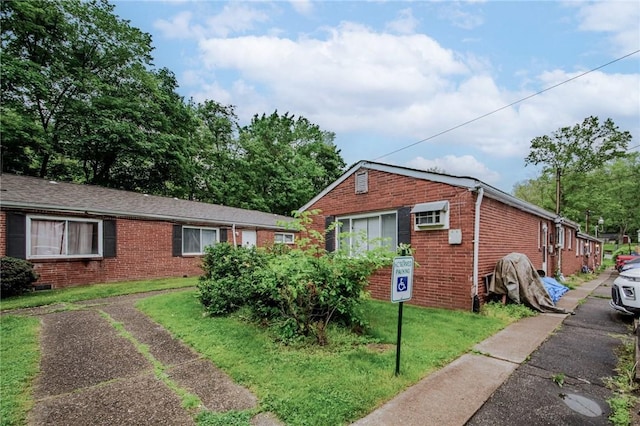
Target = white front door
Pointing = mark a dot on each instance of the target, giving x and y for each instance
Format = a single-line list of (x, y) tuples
[(249, 238)]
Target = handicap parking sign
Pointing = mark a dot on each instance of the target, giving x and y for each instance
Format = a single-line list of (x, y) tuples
[(402, 279), (401, 284)]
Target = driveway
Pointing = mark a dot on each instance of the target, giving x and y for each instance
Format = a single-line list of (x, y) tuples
[(105, 363)]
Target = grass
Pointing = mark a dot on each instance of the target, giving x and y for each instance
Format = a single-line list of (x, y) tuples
[(19, 357), (95, 291), (623, 384), (576, 280), (329, 385)]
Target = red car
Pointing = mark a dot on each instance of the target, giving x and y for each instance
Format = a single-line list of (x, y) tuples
[(624, 258)]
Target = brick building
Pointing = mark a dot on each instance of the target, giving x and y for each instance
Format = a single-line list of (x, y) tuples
[(81, 234), (459, 227)]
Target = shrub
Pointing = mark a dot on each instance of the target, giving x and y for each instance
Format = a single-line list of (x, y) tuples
[(296, 291), (16, 276), (227, 282), (304, 289), (305, 293)]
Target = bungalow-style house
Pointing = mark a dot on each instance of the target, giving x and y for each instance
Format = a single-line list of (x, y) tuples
[(80, 234), (459, 228)]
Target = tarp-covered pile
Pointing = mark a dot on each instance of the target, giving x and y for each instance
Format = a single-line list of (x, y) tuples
[(516, 277)]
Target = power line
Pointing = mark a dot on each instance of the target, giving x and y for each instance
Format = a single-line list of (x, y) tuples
[(507, 106)]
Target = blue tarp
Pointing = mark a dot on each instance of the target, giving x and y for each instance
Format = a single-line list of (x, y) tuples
[(554, 288)]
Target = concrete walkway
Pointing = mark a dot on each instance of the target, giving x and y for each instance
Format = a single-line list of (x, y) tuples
[(452, 395), (105, 363)]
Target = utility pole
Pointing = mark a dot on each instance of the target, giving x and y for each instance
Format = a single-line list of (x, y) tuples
[(558, 225), (586, 224)]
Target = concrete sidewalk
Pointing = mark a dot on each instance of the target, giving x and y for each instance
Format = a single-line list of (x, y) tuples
[(452, 395)]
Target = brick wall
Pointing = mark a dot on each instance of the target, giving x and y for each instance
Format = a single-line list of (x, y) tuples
[(144, 251), (3, 233), (445, 275)]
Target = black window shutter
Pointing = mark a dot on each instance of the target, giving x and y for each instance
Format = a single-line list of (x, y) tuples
[(177, 240), (16, 235), (109, 239), (404, 225), (330, 236), (223, 235)]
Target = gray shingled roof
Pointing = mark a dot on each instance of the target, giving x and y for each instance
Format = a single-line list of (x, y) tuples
[(24, 192)]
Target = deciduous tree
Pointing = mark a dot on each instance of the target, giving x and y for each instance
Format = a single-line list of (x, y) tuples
[(578, 150)]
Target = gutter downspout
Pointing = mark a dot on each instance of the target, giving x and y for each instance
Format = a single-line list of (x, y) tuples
[(233, 230), (475, 303)]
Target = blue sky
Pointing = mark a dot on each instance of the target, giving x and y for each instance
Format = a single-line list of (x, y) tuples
[(383, 75)]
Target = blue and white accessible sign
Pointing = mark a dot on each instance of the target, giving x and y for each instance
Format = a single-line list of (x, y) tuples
[(402, 279)]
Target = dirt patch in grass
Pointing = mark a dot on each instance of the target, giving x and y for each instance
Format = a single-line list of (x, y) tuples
[(380, 347)]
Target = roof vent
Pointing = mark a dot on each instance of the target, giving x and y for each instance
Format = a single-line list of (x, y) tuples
[(362, 182)]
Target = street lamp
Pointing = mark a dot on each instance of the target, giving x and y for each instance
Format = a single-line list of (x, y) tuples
[(600, 223)]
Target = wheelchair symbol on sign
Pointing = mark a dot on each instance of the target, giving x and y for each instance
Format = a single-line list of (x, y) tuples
[(402, 284)]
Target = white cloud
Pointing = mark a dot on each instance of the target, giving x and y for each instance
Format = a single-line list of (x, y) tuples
[(453, 12), (408, 87), (233, 18), (619, 18), (405, 23), (352, 68), (303, 7), (179, 26), (465, 165)]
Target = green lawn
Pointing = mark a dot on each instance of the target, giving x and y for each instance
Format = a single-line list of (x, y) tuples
[(75, 294), (19, 357), (330, 385)]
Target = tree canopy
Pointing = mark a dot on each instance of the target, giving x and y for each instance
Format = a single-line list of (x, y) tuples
[(599, 176), (81, 101), (577, 150)]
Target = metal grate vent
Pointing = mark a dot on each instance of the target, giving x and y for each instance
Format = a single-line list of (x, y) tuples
[(362, 182)]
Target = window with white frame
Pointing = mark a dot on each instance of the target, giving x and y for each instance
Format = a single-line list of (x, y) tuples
[(433, 215), (50, 237), (365, 232), (194, 239), (284, 238)]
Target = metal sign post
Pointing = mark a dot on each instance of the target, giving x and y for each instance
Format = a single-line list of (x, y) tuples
[(401, 289)]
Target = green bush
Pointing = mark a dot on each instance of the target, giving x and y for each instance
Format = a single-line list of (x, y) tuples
[(16, 276), (303, 293), (296, 291), (227, 282)]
